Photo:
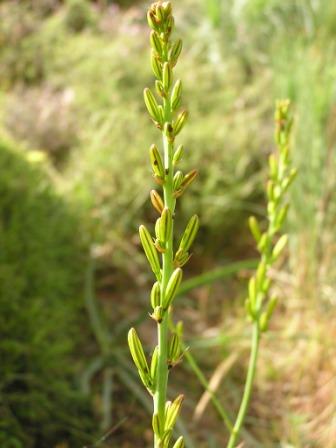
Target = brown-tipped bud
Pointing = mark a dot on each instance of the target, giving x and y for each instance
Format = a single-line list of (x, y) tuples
[(156, 162), (167, 76), (155, 42), (151, 19), (181, 258), (180, 122), (189, 178), (156, 201), (160, 246)]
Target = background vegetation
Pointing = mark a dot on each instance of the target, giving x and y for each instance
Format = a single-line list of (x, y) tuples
[(74, 183)]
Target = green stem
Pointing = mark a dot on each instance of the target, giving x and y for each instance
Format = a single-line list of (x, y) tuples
[(248, 387), (160, 396)]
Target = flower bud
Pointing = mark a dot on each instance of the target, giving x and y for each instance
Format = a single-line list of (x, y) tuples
[(180, 122), (155, 295), (152, 105), (174, 351), (175, 51), (159, 89), (189, 178), (155, 42), (156, 65), (254, 228), (175, 99), (157, 427), (279, 246), (178, 179), (156, 201), (154, 363), (156, 162), (166, 225), (181, 258), (167, 76), (157, 314), (137, 351), (189, 233), (150, 250), (179, 443), (178, 154), (172, 412), (172, 287)]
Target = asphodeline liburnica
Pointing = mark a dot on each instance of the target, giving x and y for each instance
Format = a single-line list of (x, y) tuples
[(165, 258)]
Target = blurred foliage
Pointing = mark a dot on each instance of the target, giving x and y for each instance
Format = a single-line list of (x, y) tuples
[(41, 265), (72, 74)]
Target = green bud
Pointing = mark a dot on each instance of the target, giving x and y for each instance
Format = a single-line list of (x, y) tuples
[(154, 363), (166, 438), (155, 42), (178, 154), (157, 427), (261, 275), (156, 201), (156, 65), (155, 295), (157, 314), (189, 233), (160, 246), (252, 288), (181, 258), (137, 351), (175, 51), (146, 380), (167, 76), (179, 443), (180, 122), (150, 250), (167, 8), (254, 228), (152, 105), (178, 179), (263, 322), (174, 348), (166, 225), (279, 246), (156, 162), (280, 219), (157, 228), (172, 287), (159, 89), (176, 95), (273, 166), (151, 19), (172, 412)]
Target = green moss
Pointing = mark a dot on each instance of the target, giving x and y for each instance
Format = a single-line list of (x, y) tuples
[(41, 266)]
